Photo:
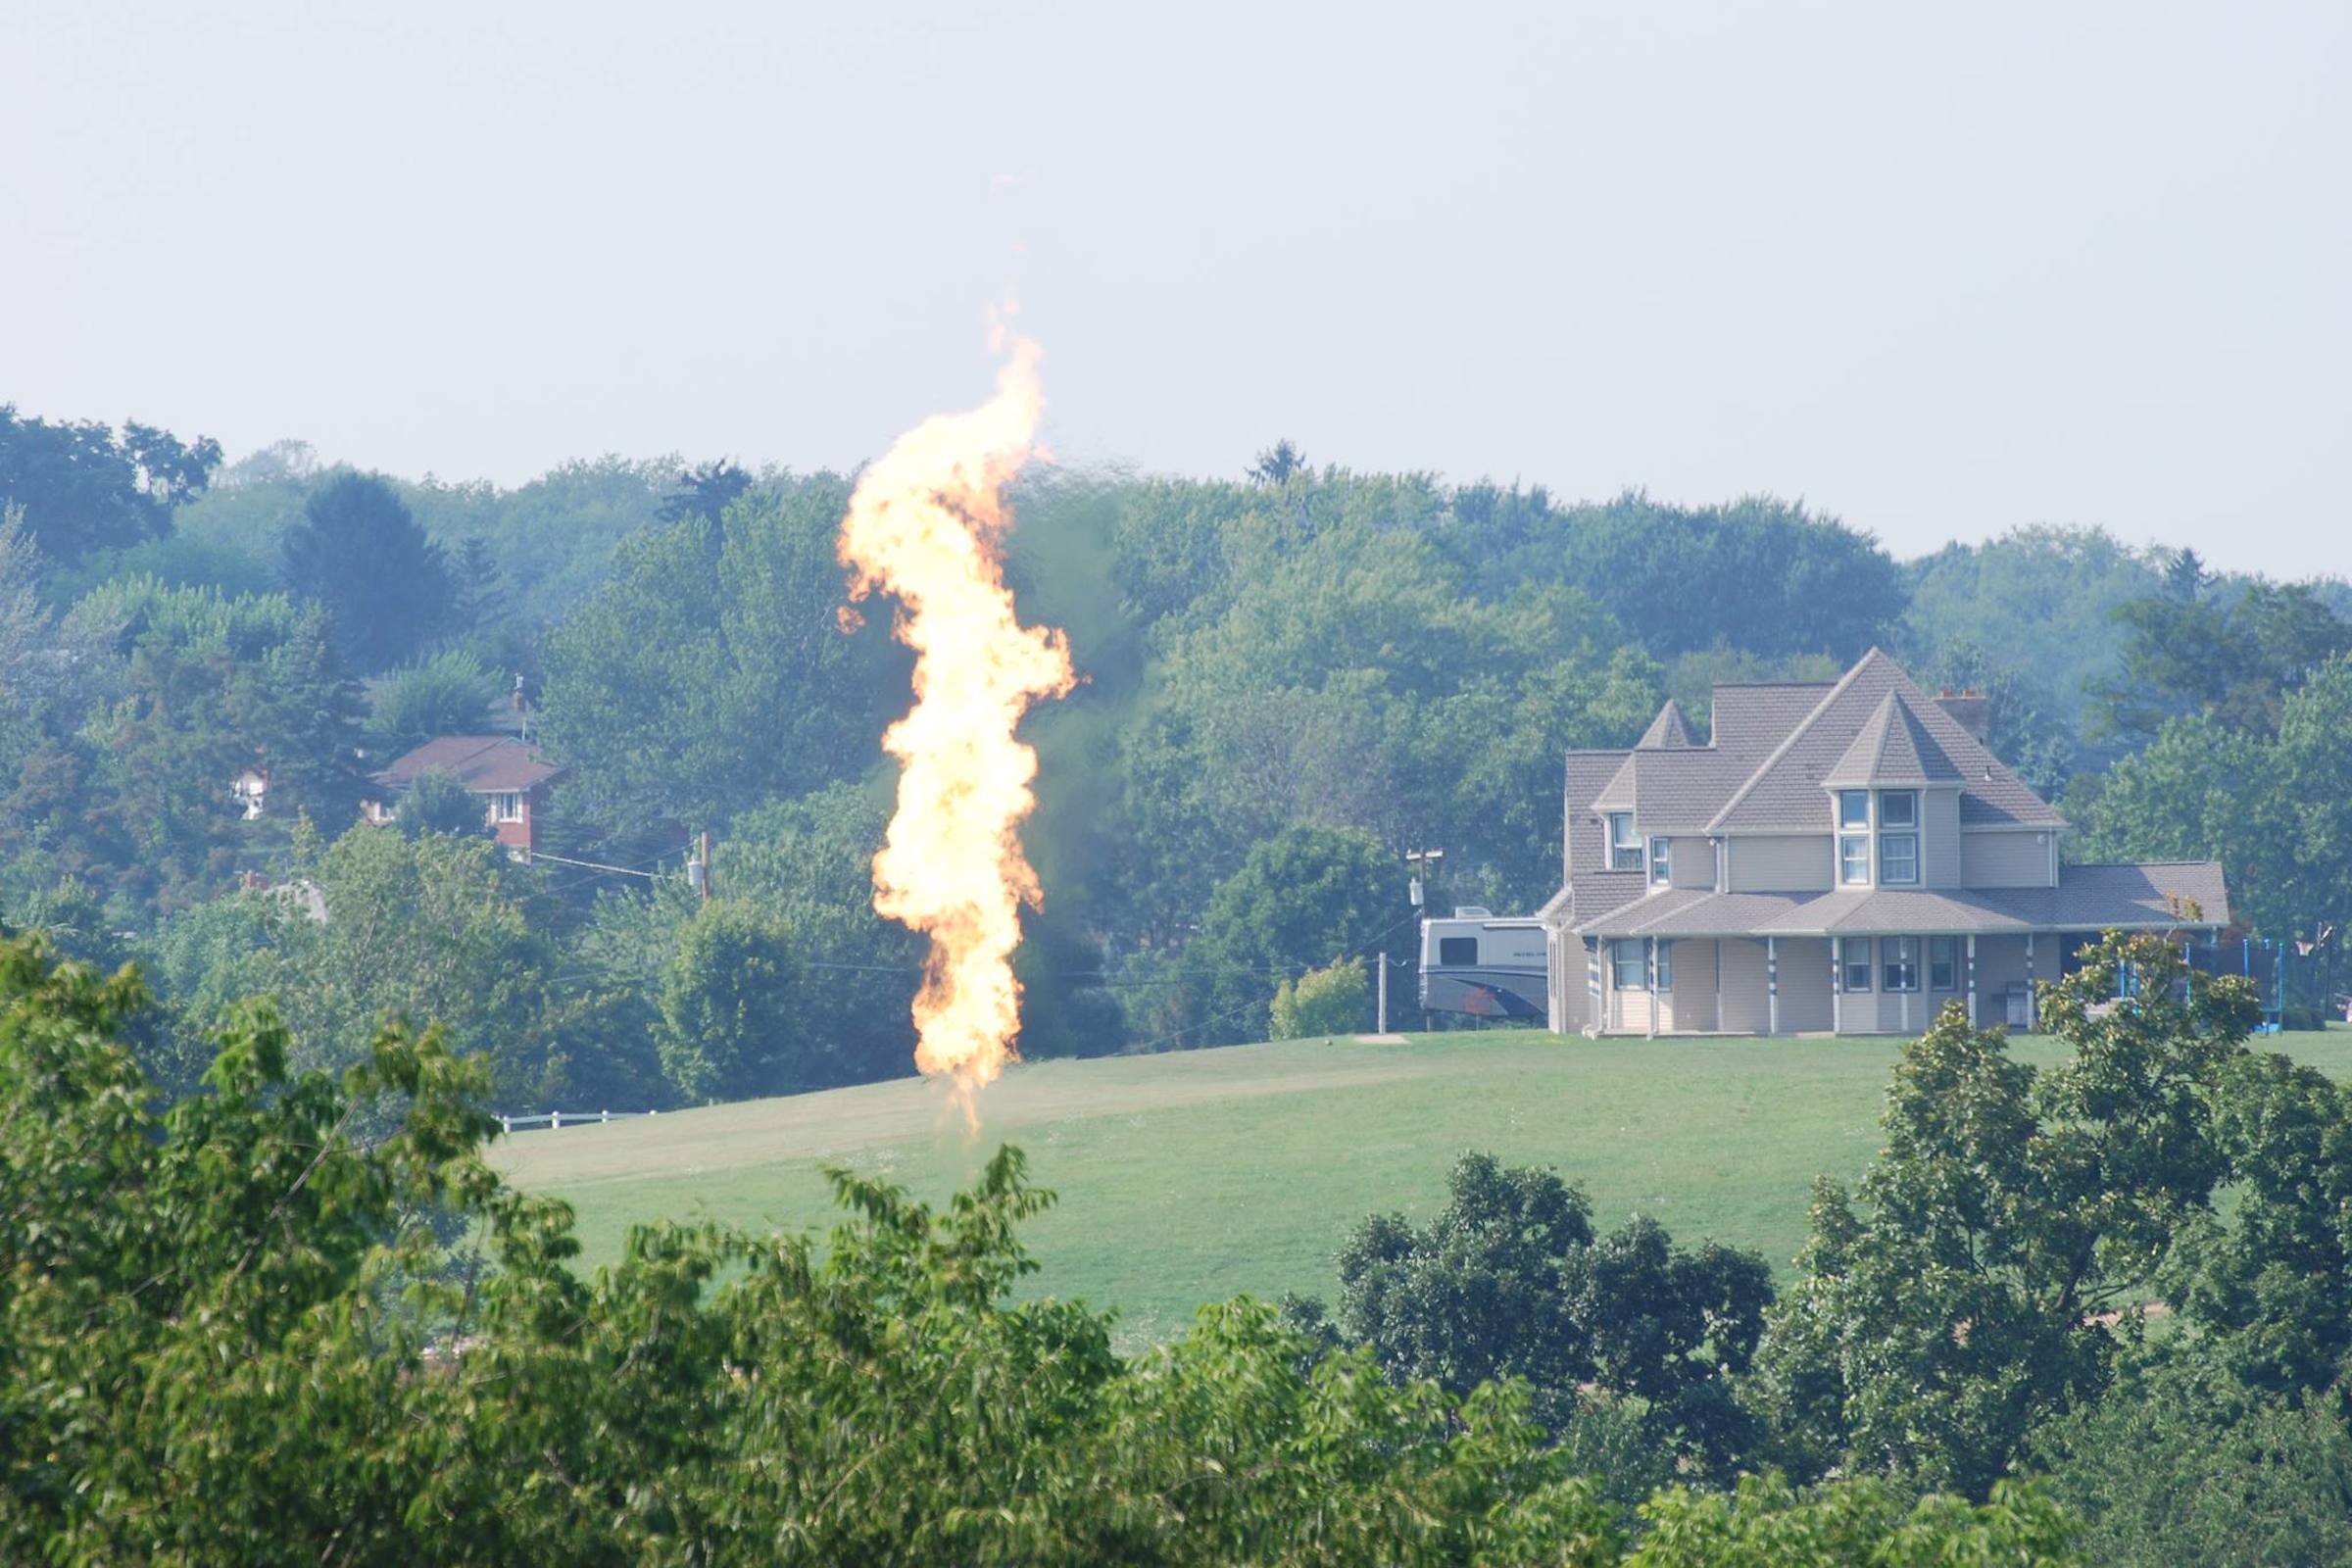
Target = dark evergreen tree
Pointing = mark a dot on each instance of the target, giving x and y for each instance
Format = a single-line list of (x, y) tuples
[(361, 554)]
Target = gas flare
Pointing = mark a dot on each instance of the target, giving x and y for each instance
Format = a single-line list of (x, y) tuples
[(926, 525)]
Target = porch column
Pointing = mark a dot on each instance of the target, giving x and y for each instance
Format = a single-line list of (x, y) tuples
[(1594, 1020), (1972, 979), (1837, 985), (2032, 1002), (1772, 985), (1649, 968)]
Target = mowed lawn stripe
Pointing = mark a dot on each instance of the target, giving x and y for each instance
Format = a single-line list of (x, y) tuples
[(1194, 1176)]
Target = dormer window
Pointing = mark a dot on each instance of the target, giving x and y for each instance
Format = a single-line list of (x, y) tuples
[(1661, 862), (1853, 838), (1899, 837), (1625, 850)]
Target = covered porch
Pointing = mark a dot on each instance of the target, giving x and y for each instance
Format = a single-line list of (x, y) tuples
[(1818, 984)]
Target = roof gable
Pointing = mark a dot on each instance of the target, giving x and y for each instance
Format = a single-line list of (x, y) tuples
[(1894, 748), (1784, 792), (1668, 731)]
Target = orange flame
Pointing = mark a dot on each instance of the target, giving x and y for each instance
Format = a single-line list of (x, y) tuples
[(926, 525)]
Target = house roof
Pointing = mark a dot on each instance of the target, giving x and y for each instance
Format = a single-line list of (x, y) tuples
[(483, 763), (2158, 894), (1784, 792), (1752, 717), (1894, 747), (1669, 730)]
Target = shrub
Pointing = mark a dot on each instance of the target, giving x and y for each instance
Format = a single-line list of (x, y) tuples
[(1330, 1000)]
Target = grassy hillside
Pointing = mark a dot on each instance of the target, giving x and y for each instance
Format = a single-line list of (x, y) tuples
[(1197, 1175)]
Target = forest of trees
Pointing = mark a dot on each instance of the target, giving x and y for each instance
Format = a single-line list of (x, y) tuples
[(1288, 680)]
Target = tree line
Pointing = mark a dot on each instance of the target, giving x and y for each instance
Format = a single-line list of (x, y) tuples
[(1290, 679)]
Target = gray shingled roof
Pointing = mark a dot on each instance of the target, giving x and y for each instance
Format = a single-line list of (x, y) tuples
[(1618, 794), (1669, 730), (2088, 897), (1680, 792), (1588, 772), (1786, 794), (1600, 891), (2097, 897), (1892, 747), (1751, 719)]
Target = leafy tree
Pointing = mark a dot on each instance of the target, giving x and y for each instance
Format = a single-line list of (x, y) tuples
[(84, 486), (2042, 599), (2270, 1288), (1510, 1279), (729, 999), (681, 692), (706, 491), (2009, 1226), (2176, 1465), (448, 693), (1277, 464), (361, 554), (438, 802), (2235, 657), (1335, 1000), (180, 690), (234, 1334), (1302, 899)]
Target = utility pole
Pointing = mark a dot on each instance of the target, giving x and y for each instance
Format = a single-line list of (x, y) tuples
[(1382, 959), (701, 863)]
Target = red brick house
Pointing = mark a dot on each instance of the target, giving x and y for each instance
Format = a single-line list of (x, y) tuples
[(507, 774)]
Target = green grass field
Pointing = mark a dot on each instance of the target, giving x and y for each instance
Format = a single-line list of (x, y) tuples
[(1194, 1176)]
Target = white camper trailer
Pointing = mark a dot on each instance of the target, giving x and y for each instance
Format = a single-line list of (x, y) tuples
[(1487, 967)]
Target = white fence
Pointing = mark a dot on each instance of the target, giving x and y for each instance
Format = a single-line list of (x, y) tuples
[(556, 1121)]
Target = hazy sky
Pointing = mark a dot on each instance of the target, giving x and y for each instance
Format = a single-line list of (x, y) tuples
[(1939, 269)]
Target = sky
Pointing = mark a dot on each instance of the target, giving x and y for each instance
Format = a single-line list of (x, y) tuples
[(1937, 270)]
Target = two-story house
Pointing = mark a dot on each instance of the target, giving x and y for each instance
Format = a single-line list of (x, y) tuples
[(1836, 858)]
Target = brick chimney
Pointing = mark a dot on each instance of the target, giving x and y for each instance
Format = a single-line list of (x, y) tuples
[(1971, 707)]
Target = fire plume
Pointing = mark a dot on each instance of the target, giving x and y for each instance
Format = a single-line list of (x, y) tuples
[(926, 525)]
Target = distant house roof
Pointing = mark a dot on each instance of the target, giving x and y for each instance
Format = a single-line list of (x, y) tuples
[(483, 763)]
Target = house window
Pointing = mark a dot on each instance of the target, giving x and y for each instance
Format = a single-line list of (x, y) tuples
[(1853, 808), (1853, 859), (1665, 966), (505, 805), (1943, 963), (1458, 951), (1903, 962), (1898, 836), (1624, 954), (1661, 860), (1625, 850), (1855, 952)]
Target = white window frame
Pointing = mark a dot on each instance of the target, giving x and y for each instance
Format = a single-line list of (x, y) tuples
[(1624, 950), (1848, 963), (1892, 832), (1623, 842), (1853, 859), (505, 805), (1665, 966), (1950, 946), (1661, 860), (1899, 965)]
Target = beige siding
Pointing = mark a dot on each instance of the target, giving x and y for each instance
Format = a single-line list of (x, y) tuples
[(1940, 847), (1691, 1004), (1780, 864), (1745, 1002), (1694, 862), (2005, 859), (2002, 959), (1804, 985)]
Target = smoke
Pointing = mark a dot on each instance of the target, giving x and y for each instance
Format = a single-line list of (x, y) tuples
[(926, 525)]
